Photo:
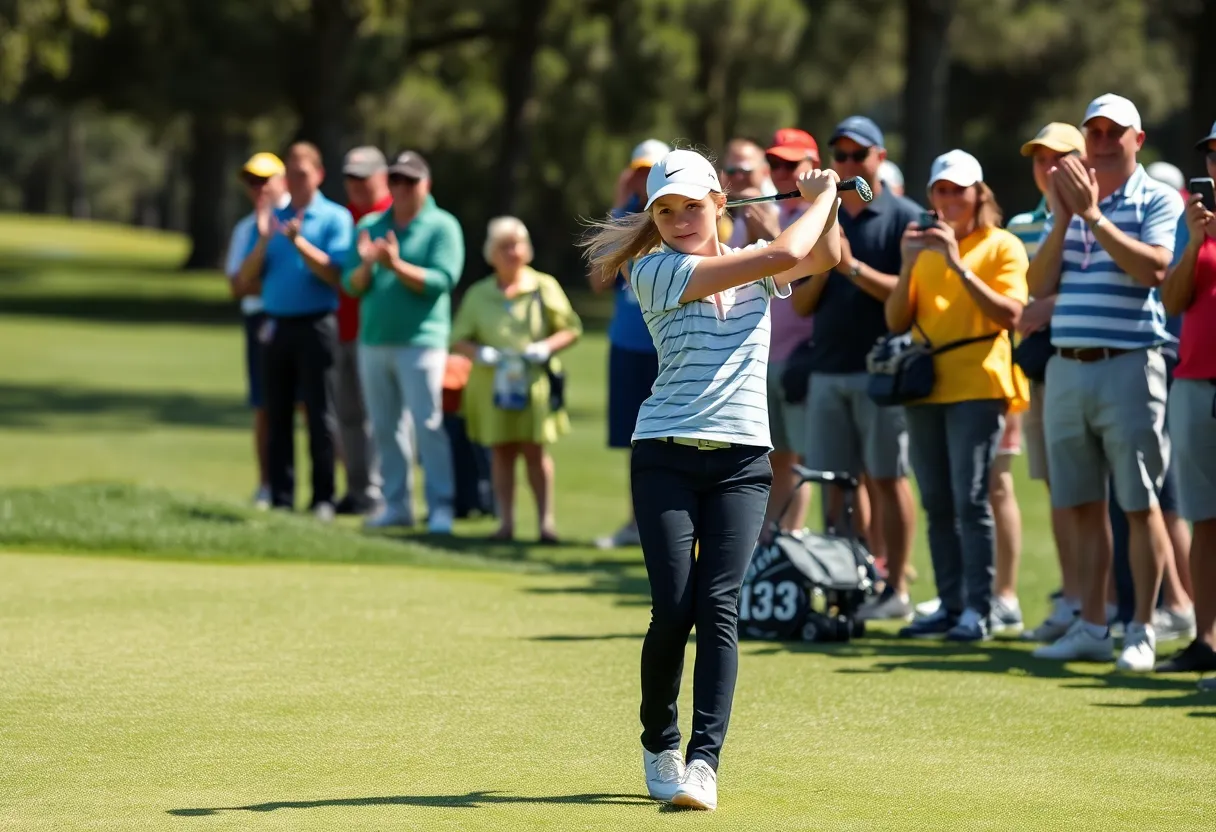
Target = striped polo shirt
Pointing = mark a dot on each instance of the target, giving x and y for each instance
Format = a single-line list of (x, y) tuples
[(1098, 304), (713, 353), (1028, 227)]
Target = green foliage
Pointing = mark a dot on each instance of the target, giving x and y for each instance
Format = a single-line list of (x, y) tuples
[(38, 34), (429, 75)]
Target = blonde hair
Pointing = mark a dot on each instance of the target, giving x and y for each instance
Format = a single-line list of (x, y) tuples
[(502, 228), (611, 243), (988, 212)]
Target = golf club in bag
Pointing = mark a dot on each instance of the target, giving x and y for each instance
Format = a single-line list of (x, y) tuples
[(809, 588)]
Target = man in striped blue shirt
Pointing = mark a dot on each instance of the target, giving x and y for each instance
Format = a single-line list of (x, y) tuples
[(1105, 250)]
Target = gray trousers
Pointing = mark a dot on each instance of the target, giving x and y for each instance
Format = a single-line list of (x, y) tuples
[(952, 447), (354, 427)]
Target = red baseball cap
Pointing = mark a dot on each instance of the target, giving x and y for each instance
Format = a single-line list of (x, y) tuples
[(794, 145)]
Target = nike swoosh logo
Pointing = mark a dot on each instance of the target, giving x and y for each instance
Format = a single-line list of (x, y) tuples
[(672, 173)]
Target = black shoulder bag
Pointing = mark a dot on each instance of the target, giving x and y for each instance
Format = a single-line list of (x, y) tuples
[(557, 380), (1033, 352), (901, 370)]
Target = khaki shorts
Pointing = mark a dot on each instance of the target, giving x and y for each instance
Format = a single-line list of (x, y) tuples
[(1032, 431), (1192, 423), (1105, 418), (786, 422)]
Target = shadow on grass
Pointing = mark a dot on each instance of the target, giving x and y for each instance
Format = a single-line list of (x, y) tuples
[(472, 800), (127, 309), (997, 657), (58, 408), (593, 637)]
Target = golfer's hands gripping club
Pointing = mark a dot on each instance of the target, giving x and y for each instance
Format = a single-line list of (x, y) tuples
[(817, 183)]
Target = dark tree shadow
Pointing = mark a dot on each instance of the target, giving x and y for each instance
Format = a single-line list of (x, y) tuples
[(127, 309), (472, 800), (56, 408)]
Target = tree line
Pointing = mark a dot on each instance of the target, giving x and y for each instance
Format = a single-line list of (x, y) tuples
[(141, 110)]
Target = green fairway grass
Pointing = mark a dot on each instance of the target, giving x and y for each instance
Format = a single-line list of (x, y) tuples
[(172, 660)]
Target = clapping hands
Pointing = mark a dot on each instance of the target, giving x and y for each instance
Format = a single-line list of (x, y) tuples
[(384, 250)]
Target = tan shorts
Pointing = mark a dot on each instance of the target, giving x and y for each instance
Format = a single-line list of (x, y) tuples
[(1107, 418), (1032, 428)]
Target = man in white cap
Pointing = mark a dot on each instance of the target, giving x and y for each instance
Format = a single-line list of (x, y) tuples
[(633, 363), (1105, 250)]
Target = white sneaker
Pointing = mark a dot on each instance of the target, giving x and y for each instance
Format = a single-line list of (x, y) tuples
[(664, 771), (440, 520), (1169, 625), (928, 609), (1078, 645), (324, 512), (1139, 649), (388, 517), (626, 535), (1006, 617), (699, 787), (893, 607), (1057, 624), (261, 497)]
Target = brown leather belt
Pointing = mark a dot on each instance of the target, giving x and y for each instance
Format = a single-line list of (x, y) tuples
[(1088, 354)]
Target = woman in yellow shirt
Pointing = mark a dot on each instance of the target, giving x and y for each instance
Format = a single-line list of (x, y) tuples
[(962, 277), (512, 324)]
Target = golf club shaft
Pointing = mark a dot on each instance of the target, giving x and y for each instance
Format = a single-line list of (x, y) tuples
[(855, 184)]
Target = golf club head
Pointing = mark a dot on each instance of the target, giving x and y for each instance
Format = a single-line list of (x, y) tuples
[(860, 185)]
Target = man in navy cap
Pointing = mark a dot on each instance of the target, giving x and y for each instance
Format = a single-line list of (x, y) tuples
[(846, 430)]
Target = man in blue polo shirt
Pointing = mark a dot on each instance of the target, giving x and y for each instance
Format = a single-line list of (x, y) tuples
[(633, 363), (1105, 250), (296, 262), (845, 429)]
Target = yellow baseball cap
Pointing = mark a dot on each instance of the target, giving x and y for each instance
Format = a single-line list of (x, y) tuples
[(264, 165), (1057, 136)]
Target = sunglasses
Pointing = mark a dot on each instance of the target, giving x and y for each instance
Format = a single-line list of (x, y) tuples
[(736, 171), (1211, 157), (855, 156), (351, 178), (254, 181), (400, 179)]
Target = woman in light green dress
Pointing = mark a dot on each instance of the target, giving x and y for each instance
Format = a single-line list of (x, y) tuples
[(512, 324)]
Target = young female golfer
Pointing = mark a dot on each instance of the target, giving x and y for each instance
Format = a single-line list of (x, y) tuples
[(700, 469)]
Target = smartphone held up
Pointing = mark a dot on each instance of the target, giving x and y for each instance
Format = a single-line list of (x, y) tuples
[(1207, 193)]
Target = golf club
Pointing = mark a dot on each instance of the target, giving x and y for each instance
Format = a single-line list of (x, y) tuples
[(855, 184)]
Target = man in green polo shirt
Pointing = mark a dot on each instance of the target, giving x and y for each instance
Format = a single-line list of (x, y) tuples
[(403, 268)]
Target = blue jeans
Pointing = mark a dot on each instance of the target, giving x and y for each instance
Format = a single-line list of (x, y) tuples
[(952, 447), (404, 385)]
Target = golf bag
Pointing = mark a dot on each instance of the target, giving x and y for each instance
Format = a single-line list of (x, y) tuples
[(809, 588)]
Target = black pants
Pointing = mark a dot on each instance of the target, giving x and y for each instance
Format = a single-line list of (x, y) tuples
[(298, 360), (713, 500)]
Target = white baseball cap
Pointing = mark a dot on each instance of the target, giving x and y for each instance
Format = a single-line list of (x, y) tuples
[(683, 172), (957, 166), (648, 153), (1116, 108), (890, 173), (1167, 173)]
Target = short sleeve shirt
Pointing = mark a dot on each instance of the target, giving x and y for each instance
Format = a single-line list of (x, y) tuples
[(713, 353), (1099, 305)]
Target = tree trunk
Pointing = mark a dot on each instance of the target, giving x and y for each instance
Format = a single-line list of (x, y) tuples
[(209, 174), (518, 74), (926, 81), (76, 199), (1203, 81), (321, 95)]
